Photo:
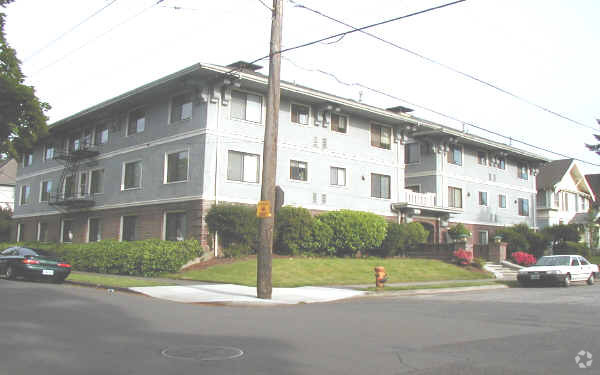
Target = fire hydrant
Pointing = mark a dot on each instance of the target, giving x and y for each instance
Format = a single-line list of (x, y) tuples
[(380, 276)]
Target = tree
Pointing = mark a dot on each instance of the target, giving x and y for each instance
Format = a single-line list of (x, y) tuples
[(22, 118), (596, 147)]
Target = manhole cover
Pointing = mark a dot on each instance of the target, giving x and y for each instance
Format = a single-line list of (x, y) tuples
[(203, 353)]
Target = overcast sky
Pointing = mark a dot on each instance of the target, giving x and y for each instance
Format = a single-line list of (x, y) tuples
[(545, 51)]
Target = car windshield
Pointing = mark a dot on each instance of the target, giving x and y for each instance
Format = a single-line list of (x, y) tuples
[(27, 252), (554, 261)]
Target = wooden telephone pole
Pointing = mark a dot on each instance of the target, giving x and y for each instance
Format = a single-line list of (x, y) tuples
[(267, 194)]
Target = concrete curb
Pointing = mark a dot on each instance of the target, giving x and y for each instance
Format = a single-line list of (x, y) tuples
[(417, 292), (100, 286), (511, 265)]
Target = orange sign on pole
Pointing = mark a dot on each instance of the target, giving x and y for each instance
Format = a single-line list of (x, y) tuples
[(263, 209)]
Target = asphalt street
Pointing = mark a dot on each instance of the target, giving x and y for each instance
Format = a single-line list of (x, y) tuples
[(66, 329)]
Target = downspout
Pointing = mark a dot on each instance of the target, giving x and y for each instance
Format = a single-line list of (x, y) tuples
[(399, 165), (216, 251)]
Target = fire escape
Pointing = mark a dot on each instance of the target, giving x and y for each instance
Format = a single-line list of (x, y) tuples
[(72, 193)]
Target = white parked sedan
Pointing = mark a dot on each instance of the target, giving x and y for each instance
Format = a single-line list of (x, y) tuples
[(559, 269)]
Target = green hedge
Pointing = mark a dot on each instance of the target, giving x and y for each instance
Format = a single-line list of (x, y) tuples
[(402, 237), (235, 224), (140, 258), (293, 230)]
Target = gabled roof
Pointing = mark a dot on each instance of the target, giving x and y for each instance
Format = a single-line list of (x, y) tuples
[(552, 173), (594, 182), (8, 172)]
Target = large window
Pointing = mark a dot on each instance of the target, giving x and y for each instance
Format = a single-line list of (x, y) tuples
[(48, 151), (137, 122), (175, 226), (25, 194), (132, 175), (298, 170), (380, 186), (69, 187), (522, 171), (483, 237), (67, 231), (381, 136), (339, 123), (27, 159), (338, 176), (481, 157), (300, 114), (128, 232), (523, 207), (83, 183), (412, 153), (46, 190), (177, 167), (242, 167), (455, 154), (245, 106), (483, 198), (501, 164), (181, 107), (42, 234), (502, 201), (454, 197), (101, 135), (94, 230), (97, 182)]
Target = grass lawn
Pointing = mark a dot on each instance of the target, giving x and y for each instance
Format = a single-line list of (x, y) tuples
[(113, 281), (595, 259), (292, 272)]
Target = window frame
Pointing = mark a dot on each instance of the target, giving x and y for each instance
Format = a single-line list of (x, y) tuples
[(91, 171), (123, 170), (166, 213), (245, 119), (39, 231), (337, 175), (62, 230), (308, 114), (485, 158), (520, 207), (46, 148), (20, 232), (381, 126), (305, 180), (453, 197), (128, 123), (122, 227), (483, 198), (41, 200), (98, 129), (27, 157), (500, 201), (522, 167), (339, 115), (171, 99), (166, 166), (389, 187), (451, 149), (487, 237), (406, 153), (27, 196), (89, 232), (258, 166)]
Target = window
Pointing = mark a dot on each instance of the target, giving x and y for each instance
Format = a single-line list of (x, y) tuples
[(483, 198), (565, 201), (414, 188), (74, 143), (523, 207), (101, 135), (46, 190), (137, 122), (25, 193), (128, 228), (69, 187), (380, 186), (67, 231), (583, 203), (522, 171), (298, 170), (381, 136), (97, 182), (339, 123), (300, 114), (483, 237), (337, 176), (412, 153), (175, 226), (94, 230), (501, 163), (27, 159), (246, 106), (86, 139), (243, 167), (556, 200), (455, 155), (502, 201), (454, 197), (20, 232), (177, 167), (181, 107), (48, 152), (132, 176), (42, 234), (481, 157), (83, 183)]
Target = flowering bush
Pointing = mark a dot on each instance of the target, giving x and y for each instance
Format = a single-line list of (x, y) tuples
[(523, 258), (463, 257)]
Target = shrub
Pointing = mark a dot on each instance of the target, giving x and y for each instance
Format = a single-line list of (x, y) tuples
[(523, 258), (402, 237), (516, 241), (463, 257), (140, 258), (354, 231), (238, 250), (235, 224), (569, 247), (458, 230), (293, 229), (478, 262), (320, 240)]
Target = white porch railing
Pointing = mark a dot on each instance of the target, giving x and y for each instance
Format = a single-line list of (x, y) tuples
[(419, 199)]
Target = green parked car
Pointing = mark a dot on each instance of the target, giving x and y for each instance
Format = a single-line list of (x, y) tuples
[(32, 264)]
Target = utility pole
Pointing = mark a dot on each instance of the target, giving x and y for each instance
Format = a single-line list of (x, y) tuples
[(267, 193)]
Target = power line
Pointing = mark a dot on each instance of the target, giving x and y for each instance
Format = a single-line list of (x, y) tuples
[(265, 5), (97, 37), (68, 31), (356, 84), (446, 66)]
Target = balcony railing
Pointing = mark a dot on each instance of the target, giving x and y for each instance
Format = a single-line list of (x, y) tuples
[(417, 199), (81, 152), (75, 200)]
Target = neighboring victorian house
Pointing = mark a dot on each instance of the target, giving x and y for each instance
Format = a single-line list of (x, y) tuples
[(483, 184), (8, 176), (564, 196)]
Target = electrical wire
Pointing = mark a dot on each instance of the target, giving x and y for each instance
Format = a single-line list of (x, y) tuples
[(451, 117), (68, 31), (265, 5), (446, 66)]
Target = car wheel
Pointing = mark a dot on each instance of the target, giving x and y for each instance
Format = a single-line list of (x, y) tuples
[(567, 281), (590, 281), (10, 273)]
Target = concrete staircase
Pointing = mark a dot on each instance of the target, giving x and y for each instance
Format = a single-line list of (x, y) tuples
[(501, 271)]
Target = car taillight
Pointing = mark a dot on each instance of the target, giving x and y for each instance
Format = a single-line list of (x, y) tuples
[(31, 261), (64, 265)]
